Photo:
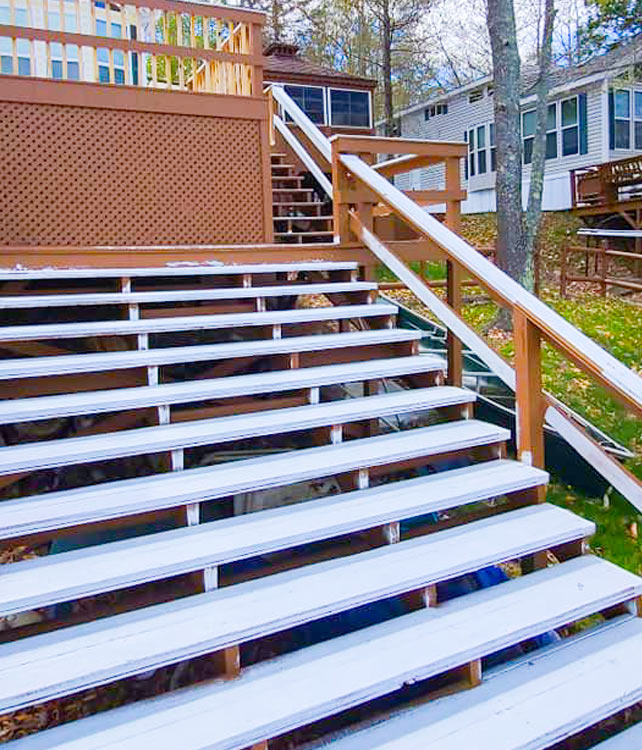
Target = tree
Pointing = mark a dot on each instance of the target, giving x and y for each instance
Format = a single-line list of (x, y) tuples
[(611, 22), (517, 232)]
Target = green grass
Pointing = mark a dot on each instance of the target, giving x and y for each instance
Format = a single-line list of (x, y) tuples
[(616, 325)]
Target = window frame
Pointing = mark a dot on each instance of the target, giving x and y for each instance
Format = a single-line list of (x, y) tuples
[(563, 128), (367, 92), (633, 120), (323, 90)]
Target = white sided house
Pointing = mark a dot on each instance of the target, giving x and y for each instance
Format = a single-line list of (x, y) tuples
[(594, 116)]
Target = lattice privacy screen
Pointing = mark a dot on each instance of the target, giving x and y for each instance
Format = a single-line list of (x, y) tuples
[(81, 176)]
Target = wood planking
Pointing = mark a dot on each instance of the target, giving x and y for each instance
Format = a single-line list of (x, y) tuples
[(303, 686), (195, 322), (63, 662), (109, 566), (54, 510), (93, 402), (177, 269), (22, 301), (532, 704), (65, 451), (105, 361)]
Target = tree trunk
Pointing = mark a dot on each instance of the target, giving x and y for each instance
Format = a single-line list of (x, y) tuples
[(508, 187), (386, 64), (538, 164)]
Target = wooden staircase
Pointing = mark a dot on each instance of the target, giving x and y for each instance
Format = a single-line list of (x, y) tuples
[(248, 477), (300, 213)]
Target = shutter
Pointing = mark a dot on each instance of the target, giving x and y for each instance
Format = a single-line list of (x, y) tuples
[(611, 121), (583, 117)]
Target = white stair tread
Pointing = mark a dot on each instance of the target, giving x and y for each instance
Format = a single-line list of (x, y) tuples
[(629, 739), (74, 450), (23, 301), (193, 322), (532, 705), (322, 680), (42, 581), (174, 269), (29, 367), (126, 496), (94, 402), (54, 664)]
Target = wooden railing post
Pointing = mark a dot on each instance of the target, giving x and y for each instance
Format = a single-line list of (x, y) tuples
[(528, 391), (340, 205), (256, 48), (453, 272)]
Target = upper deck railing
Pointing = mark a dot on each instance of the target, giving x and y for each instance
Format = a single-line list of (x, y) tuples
[(142, 43), (607, 184)]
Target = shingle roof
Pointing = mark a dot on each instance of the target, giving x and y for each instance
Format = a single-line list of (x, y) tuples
[(283, 62)]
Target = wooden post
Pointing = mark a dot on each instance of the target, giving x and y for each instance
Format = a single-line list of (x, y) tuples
[(341, 220), (453, 272), (563, 269), (529, 398)]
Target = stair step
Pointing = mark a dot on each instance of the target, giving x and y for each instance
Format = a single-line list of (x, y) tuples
[(195, 323), (540, 701), (174, 270), (29, 367), (629, 739), (275, 155), (298, 203), (315, 233), (293, 190), (27, 301), (51, 665), (283, 166), (47, 454), (322, 680), (109, 566), (287, 178), (54, 510), (95, 402), (302, 218)]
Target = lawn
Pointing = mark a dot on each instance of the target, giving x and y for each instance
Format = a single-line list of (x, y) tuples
[(614, 323)]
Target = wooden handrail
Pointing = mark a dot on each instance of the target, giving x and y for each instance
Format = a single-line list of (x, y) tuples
[(579, 348), (144, 43), (533, 319)]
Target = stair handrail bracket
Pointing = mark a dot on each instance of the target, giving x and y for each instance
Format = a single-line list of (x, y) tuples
[(359, 186)]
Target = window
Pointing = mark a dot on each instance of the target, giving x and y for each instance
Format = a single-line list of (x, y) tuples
[(551, 131), (493, 148), (311, 101), (481, 149), (625, 119), (350, 108), (622, 119), (436, 109), (570, 127), (471, 152), (529, 120)]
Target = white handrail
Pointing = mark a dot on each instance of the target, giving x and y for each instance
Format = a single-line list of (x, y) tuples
[(554, 326), (299, 150), (576, 437), (316, 137), (555, 416)]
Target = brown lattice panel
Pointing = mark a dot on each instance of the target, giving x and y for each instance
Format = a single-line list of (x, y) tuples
[(85, 176)]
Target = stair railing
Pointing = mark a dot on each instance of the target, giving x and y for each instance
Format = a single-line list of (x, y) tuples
[(359, 187)]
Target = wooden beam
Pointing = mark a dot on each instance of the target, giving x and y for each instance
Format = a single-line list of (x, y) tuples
[(528, 391), (364, 144)]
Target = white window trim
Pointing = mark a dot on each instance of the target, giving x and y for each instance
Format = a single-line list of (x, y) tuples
[(632, 118), (326, 111), (349, 127), (562, 127)]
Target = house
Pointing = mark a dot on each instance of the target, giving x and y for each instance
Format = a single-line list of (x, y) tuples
[(333, 100), (594, 116)]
